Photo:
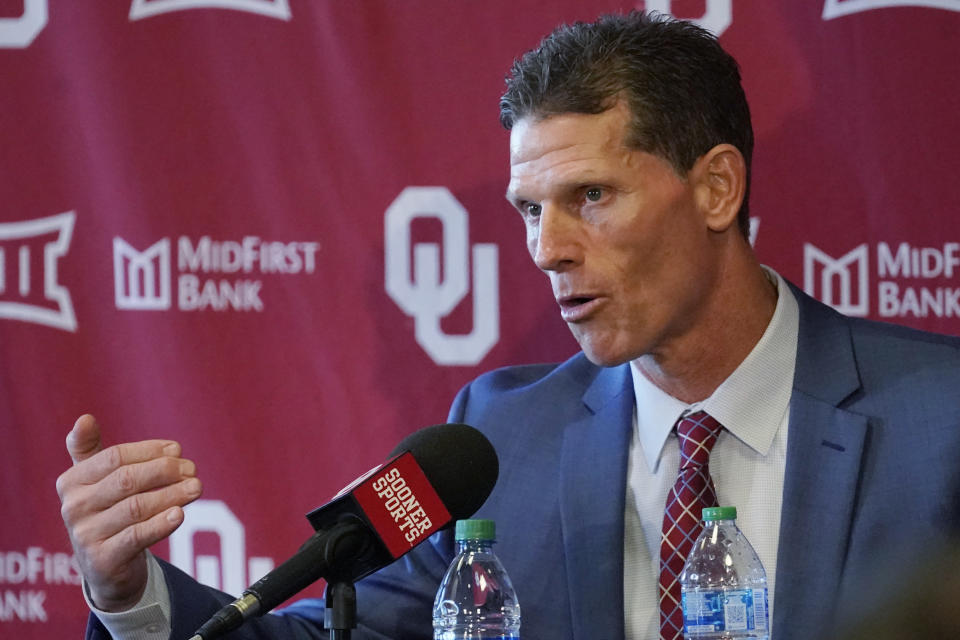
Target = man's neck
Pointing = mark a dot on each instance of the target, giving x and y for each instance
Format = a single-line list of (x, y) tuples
[(694, 366)]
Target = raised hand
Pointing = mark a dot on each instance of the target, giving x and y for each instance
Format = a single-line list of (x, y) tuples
[(118, 501)]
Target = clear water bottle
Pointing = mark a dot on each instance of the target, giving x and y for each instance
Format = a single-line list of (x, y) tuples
[(723, 584), (476, 598)]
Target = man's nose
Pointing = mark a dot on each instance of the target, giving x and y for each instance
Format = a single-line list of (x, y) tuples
[(555, 245)]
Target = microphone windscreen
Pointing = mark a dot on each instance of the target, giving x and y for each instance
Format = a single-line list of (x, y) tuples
[(459, 462)]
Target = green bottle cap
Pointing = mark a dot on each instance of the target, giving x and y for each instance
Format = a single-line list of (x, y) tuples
[(720, 513), (475, 530)]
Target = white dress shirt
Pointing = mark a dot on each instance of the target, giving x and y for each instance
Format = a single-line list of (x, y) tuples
[(149, 619), (747, 463)]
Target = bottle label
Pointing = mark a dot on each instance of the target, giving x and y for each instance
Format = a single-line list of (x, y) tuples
[(471, 635), (713, 610)]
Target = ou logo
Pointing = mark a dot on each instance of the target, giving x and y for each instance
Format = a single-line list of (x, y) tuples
[(422, 294), (716, 18), (20, 32), (226, 570)]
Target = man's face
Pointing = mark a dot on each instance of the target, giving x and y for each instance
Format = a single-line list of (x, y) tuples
[(617, 231)]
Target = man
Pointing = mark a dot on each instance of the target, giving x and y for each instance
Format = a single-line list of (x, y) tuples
[(837, 439)]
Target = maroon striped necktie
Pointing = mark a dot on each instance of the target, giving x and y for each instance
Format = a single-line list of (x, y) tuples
[(691, 493)]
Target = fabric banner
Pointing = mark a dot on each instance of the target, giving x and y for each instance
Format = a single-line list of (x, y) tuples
[(275, 231)]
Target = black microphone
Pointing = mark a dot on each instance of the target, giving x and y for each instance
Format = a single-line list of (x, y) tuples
[(434, 477)]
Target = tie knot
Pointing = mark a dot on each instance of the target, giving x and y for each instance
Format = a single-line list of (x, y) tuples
[(698, 433)]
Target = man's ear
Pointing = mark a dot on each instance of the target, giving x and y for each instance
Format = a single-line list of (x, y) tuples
[(720, 181)]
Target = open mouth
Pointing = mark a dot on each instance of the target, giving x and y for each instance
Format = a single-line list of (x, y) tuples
[(575, 302), (574, 308)]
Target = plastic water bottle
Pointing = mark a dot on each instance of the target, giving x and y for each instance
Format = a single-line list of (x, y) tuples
[(723, 584), (476, 598)]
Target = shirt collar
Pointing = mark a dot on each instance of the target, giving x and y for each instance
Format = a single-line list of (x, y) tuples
[(750, 404)]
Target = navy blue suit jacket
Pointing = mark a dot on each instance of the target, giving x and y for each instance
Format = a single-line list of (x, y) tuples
[(872, 480)]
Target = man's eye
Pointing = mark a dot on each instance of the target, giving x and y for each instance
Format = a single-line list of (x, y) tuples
[(532, 209), (593, 194)]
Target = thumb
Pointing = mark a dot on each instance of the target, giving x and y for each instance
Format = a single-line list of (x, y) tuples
[(83, 440)]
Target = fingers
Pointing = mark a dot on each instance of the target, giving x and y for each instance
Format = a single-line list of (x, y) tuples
[(84, 439), (138, 521), (125, 462), (131, 480), (131, 541), (115, 569), (84, 445), (103, 463), (105, 487)]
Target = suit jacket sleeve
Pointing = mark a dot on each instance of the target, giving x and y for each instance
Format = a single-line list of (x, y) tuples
[(192, 604)]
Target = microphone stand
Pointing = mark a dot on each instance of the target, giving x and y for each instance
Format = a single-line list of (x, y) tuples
[(340, 614)]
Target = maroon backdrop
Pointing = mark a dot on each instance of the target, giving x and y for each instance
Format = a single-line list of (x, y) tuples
[(275, 230)]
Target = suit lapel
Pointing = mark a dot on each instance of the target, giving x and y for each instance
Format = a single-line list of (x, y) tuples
[(823, 466), (592, 494), (824, 452)]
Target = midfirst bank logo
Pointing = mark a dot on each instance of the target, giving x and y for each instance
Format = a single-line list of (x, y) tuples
[(909, 280), (143, 279), (26, 575), (29, 253), (837, 8)]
